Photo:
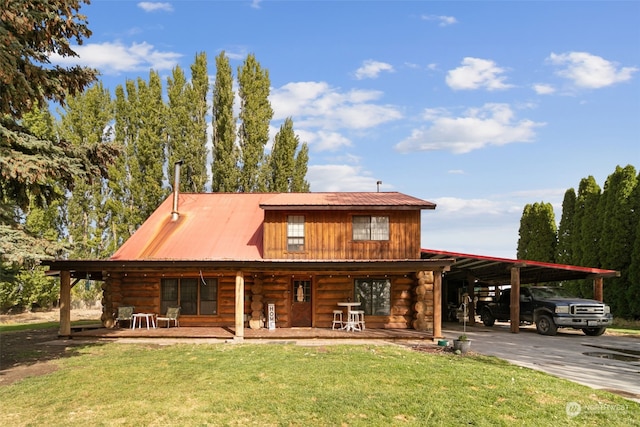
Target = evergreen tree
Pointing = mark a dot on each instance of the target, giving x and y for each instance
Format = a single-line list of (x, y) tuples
[(255, 115), (538, 235), (224, 169), (585, 245), (617, 234), (566, 231), (633, 289)]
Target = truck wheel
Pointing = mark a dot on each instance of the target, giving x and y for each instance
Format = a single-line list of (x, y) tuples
[(545, 325), (594, 332), (487, 318)]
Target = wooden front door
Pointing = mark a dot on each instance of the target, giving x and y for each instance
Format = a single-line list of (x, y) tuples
[(301, 303)]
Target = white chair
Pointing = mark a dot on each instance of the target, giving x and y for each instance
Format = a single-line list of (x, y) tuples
[(337, 319), (172, 316)]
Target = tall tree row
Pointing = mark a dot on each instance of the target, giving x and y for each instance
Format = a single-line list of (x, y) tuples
[(598, 228)]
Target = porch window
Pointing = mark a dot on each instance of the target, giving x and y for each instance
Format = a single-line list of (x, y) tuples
[(295, 233), (195, 296), (375, 296), (370, 227)]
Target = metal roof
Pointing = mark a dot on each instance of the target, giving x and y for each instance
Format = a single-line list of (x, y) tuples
[(498, 270), (229, 226)]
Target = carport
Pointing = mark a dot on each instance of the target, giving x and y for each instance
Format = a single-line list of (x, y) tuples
[(504, 271)]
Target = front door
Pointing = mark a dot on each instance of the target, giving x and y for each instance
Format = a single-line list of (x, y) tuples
[(301, 303)]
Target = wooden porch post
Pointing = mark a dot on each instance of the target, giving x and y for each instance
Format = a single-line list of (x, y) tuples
[(437, 304), (598, 294), (65, 304), (471, 306), (239, 306), (515, 300)]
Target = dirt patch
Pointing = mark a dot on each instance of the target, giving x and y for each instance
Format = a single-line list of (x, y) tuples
[(34, 352)]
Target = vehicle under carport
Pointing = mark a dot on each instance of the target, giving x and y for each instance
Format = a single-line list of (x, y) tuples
[(470, 270)]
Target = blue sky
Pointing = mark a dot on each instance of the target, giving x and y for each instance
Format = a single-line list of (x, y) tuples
[(480, 106)]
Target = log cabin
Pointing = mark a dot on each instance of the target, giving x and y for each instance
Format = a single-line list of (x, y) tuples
[(287, 259)]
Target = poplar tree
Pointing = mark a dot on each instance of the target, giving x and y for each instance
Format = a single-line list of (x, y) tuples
[(87, 120), (282, 164), (255, 116), (538, 233), (633, 290), (224, 168), (187, 136), (587, 223)]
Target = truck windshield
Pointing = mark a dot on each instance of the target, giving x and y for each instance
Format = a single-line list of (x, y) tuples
[(550, 293)]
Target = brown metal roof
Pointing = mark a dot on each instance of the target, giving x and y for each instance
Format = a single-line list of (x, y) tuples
[(498, 270), (228, 226), (344, 201)]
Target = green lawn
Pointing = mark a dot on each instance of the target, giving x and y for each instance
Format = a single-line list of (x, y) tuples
[(287, 385)]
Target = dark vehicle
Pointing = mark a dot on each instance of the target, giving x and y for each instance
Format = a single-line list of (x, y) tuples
[(551, 308)]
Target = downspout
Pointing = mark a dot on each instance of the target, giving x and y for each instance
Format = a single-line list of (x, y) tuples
[(176, 190)]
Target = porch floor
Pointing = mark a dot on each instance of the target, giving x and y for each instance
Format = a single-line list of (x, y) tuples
[(228, 333)]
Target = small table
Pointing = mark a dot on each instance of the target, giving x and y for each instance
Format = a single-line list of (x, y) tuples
[(148, 317), (351, 323)]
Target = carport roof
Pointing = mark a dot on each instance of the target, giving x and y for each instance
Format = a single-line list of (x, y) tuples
[(498, 270)]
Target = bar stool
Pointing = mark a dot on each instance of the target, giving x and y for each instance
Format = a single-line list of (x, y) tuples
[(354, 320), (337, 319), (360, 319)]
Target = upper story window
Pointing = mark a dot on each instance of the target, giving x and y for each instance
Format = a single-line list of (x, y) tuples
[(295, 233), (370, 227)]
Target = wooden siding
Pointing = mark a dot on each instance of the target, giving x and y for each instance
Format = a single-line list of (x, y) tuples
[(328, 236), (142, 290)]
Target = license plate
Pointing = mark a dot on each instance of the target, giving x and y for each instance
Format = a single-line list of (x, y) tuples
[(592, 323)]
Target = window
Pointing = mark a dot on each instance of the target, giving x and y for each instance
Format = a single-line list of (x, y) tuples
[(375, 296), (302, 290), (194, 296), (370, 227), (295, 233)]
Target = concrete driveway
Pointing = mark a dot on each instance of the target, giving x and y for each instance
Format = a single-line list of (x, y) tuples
[(606, 362)]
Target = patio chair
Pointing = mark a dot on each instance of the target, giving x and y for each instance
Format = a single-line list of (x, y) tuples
[(124, 313), (172, 316)]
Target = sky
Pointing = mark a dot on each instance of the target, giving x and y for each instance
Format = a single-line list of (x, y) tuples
[(481, 107)]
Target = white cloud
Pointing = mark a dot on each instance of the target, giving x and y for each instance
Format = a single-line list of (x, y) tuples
[(371, 69), (456, 172), (149, 6), (492, 124), (115, 58), (543, 89), (442, 19), (340, 178), (476, 73), (318, 105), (590, 71)]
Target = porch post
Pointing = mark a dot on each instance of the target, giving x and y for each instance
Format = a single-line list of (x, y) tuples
[(597, 289), (437, 304), (65, 304), (515, 300), (239, 306)]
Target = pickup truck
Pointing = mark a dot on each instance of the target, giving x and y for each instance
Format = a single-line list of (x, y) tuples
[(550, 308)]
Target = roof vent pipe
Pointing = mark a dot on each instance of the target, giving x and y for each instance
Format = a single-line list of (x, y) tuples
[(176, 190)]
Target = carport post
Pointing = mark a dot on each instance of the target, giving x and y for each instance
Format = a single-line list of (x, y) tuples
[(597, 288), (437, 304), (515, 300)]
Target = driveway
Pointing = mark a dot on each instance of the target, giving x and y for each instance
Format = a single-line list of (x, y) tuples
[(607, 362)]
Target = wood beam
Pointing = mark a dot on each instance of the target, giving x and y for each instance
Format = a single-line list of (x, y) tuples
[(598, 294), (65, 304), (471, 305), (515, 300), (239, 306), (437, 304)]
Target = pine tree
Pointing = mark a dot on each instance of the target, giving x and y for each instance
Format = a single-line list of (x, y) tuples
[(224, 169), (633, 289), (255, 116), (538, 235)]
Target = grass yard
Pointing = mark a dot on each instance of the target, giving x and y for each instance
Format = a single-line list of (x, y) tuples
[(288, 385)]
